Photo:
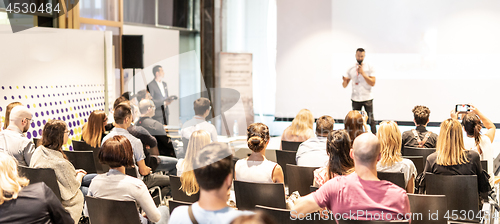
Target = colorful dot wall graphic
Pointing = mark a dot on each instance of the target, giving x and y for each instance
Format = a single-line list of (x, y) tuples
[(72, 103)]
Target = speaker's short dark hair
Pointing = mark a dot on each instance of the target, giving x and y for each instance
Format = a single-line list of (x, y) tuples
[(324, 124), (201, 105), (121, 112), (421, 114), (360, 50), (156, 69), (212, 165)]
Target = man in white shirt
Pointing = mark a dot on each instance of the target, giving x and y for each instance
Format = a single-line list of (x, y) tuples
[(201, 110), (159, 92), (12, 139), (312, 152), (363, 80)]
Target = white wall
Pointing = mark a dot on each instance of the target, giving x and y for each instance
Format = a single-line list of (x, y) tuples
[(435, 53), (161, 47), (57, 73)]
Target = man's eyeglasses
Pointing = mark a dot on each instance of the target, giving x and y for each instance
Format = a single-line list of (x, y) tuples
[(30, 120)]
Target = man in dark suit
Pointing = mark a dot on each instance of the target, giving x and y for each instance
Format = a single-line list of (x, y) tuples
[(158, 90)]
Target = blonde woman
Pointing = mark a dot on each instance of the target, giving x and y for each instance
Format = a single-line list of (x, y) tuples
[(256, 168), (23, 203), (197, 140), (451, 157), (93, 130), (301, 128), (390, 149)]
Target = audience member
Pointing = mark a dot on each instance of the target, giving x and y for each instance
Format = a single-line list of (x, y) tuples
[(134, 104), (50, 155), (481, 143), (198, 139), (7, 113), (338, 145), (420, 137), (451, 157), (116, 185), (355, 123), (150, 146), (213, 171), (312, 152), (93, 130), (201, 110), (390, 149), (23, 203), (256, 168), (12, 139), (143, 94), (155, 128), (301, 128), (359, 191), (123, 120)]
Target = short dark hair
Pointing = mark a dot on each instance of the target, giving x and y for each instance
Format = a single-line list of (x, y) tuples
[(324, 124), (116, 152), (128, 95), (141, 95), (156, 69), (121, 112), (421, 114), (53, 135), (201, 105), (212, 165), (360, 50), (119, 100)]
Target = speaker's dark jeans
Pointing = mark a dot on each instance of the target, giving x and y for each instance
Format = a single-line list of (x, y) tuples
[(369, 109)]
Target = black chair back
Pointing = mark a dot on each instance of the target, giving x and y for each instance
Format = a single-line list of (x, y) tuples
[(178, 194), (82, 160), (250, 194), (46, 175), (371, 222), (418, 161), (423, 205), (395, 178), (300, 178), (484, 165), (460, 190), (172, 204), (290, 146), (414, 151), (112, 211), (131, 171), (37, 142), (83, 146), (284, 157)]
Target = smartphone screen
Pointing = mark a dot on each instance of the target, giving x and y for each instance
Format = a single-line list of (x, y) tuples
[(462, 108)]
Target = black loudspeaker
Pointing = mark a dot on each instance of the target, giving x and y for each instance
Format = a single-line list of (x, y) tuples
[(132, 51)]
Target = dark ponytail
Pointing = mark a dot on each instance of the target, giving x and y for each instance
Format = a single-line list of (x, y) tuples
[(473, 126), (338, 146), (257, 136)]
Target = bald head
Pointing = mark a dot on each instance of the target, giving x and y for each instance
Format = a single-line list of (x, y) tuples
[(21, 117), (146, 107), (366, 149)]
